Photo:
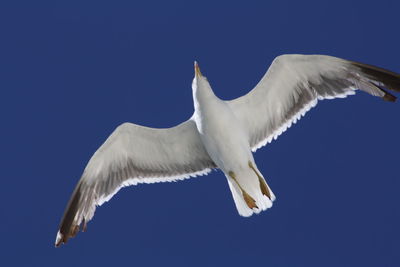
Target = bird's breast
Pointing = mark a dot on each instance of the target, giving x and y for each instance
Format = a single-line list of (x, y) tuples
[(222, 135)]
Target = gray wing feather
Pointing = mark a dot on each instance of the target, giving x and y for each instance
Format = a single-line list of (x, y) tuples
[(134, 154), (294, 84)]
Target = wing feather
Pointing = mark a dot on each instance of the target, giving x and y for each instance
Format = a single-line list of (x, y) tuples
[(134, 154), (294, 84)]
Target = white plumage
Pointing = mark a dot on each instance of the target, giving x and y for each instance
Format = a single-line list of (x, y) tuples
[(220, 134)]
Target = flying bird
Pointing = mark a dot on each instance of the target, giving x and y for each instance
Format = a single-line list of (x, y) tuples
[(220, 134)]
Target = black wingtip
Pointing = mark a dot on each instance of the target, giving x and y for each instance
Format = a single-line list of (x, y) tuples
[(67, 227), (390, 79), (389, 97)]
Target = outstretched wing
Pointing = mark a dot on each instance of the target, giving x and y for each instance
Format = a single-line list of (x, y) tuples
[(134, 154), (294, 83)]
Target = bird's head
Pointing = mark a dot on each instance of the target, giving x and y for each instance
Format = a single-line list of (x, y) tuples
[(199, 81)]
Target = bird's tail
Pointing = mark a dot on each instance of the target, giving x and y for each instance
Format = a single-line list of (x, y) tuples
[(250, 192)]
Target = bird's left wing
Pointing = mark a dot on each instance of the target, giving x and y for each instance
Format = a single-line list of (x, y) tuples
[(294, 83), (134, 154)]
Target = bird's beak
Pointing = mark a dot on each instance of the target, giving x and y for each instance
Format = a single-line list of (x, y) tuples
[(197, 71)]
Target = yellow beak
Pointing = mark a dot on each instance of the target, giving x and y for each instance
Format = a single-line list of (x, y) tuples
[(197, 70)]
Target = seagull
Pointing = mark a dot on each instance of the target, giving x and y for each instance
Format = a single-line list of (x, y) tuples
[(220, 135)]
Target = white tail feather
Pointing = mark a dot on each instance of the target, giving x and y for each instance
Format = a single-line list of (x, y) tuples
[(262, 201)]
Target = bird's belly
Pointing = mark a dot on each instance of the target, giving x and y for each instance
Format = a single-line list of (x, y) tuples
[(226, 141)]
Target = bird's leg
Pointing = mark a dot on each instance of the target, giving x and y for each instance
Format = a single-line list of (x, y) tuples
[(251, 203), (263, 184)]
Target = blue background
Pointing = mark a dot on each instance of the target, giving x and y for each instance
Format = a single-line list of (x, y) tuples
[(70, 72)]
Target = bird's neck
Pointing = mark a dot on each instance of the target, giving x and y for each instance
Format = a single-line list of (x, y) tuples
[(203, 95)]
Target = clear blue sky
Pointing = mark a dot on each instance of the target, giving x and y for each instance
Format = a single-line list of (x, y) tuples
[(71, 71)]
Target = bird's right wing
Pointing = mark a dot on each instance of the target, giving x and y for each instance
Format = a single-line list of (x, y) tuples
[(294, 83), (134, 154)]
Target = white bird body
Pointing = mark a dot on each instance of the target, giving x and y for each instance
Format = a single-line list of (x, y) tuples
[(219, 129), (226, 141), (220, 134)]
